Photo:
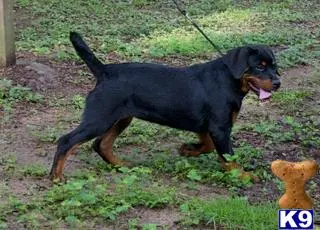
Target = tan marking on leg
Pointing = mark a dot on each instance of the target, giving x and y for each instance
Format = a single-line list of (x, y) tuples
[(108, 139), (58, 174), (234, 116), (207, 143), (205, 146)]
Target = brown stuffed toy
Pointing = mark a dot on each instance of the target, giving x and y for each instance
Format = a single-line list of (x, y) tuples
[(295, 176)]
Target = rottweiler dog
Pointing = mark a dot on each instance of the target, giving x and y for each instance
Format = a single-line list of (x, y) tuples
[(202, 98)]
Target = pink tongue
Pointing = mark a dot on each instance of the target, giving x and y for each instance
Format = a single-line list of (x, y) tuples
[(264, 94)]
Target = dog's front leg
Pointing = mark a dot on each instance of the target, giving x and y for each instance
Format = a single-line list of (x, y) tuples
[(221, 138), (222, 141)]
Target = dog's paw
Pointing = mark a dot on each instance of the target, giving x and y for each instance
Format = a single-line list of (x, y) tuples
[(190, 150), (243, 175), (57, 179)]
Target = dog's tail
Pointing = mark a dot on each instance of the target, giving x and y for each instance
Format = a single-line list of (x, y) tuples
[(87, 55)]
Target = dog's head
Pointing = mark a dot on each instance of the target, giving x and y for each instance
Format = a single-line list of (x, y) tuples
[(255, 66)]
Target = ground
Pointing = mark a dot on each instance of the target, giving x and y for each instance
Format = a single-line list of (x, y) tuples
[(42, 97)]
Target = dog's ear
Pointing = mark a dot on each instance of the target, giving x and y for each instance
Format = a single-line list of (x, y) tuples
[(237, 60)]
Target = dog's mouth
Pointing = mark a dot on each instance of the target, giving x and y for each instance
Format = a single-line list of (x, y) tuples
[(261, 93)]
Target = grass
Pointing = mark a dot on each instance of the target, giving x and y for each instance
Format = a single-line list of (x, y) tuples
[(303, 132), (249, 28), (34, 170), (290, 97), (122, 27), (9, 162), (292, 100), (234, 213), (78, 101), (88, 199), (206, 168), (111, 24)]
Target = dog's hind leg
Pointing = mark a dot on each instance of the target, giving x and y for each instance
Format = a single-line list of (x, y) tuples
[(103, 145), (205, 145), (68, 143)]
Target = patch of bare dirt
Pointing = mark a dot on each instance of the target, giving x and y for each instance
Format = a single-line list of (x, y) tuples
[(161, 217), (46, 76), (26, 188), (22, 17), (296, 77)]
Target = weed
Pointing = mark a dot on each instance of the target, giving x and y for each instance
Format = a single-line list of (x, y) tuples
[(133, 224), (11, 94), (305, 132), (31, 218), (46, 134), (304, 54), (149, 227), (4, 206), (194, 175), (34, 170), (8, 162), (291, 99), (206, 168), (3, 225), (78, 101)]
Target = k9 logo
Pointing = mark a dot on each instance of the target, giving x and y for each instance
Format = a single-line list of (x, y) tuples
[(295, 219)]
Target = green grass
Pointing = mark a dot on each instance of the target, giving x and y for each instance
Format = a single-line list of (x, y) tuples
[(232, 28), (234, 213), (203, 169), (285, 97), (34, 170), (146, 29), (47, 134), (78, 101), (291, 101), (8, 162), (109, 25), (88, 199), (289, 130)]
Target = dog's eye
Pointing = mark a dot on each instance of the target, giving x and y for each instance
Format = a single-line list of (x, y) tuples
[(260, 67)]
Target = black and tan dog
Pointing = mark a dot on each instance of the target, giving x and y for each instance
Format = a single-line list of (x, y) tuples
[(203, 98)]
